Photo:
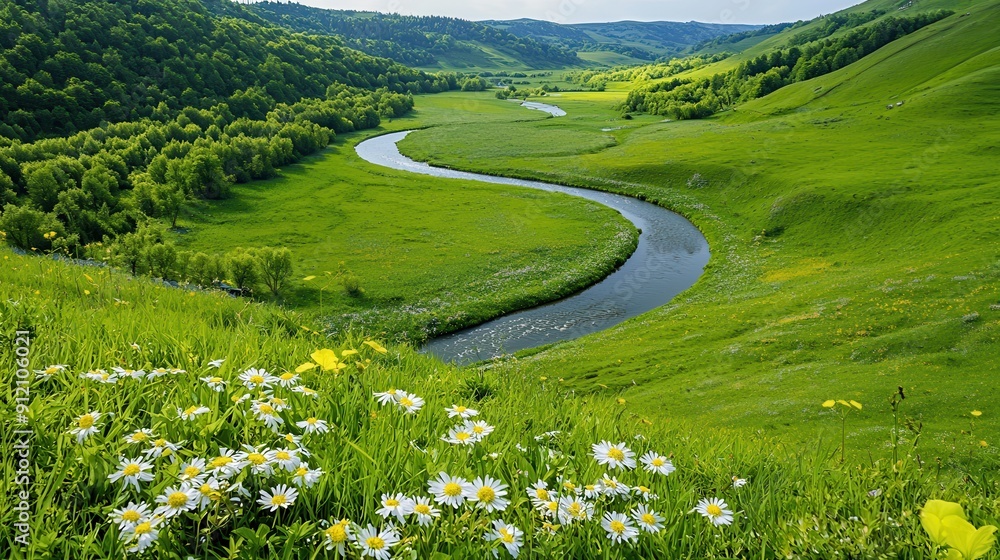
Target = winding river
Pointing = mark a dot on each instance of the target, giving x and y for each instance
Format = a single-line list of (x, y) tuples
[(671, 255)]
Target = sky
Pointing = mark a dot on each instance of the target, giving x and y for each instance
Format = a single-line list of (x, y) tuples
[(586, 11)]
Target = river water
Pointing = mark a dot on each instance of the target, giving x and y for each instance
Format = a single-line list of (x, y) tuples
[(671, 256)]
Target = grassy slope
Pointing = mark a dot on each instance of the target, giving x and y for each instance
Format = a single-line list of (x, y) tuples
[(882, 237), (426, 251)]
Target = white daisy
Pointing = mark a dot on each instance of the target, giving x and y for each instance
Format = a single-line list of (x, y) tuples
[(131, 472), (254, 378), (479, 429), (216, 363), (304, 476), (488, 493), (648, 520), (508, 535), (215, 383), (288, 379), (336, 536), (156, 373), (281, 496), (278, 403), (739, 482), (572, 509), (257, 459), (267, 414), (388, 397), (449, 490), (549, 508), (86, 426), (610, 486), (644, 493), (539, 492), (176, 500), (136, 374), (287, 459), (50, 371), (716, 510), (460, 435), (655, 463), (461, 411), (192, 470), (130, 515), (100, 376), (306, 391), (615, 456), (397, 505), (375, 543), (410, 403), (192, 412), (208, 491), (424, 511), (312, 425), (619, 527), (142, 535), (227, 463), (162, 448), (140, 436)]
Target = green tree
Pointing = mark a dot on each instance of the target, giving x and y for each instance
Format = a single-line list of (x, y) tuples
[(243, 269), (275, 266)]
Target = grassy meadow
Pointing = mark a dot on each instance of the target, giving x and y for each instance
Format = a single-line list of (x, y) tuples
[(430, 255)]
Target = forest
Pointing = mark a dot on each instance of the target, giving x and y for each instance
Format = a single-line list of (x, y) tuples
[(680, 98)]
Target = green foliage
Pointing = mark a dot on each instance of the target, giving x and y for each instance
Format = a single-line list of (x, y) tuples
[(275, 267), (243, 269)]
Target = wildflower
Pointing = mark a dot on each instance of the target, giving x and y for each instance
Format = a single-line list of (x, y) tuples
[(279, 404), (716, 510), (448, 490), (933, 514), (50, 371), (215, 383), (227, 463), (257, 460), (619, 527), (216, 363), (140, 436), (509, 536), (479, 429), (488, 493), (313, 426), (280, 496), (337, 535), (142, 535), (287, 459), (192, 412), (397, 505), (130, 515), (460, 435), (123, 373), (655, 463), (410, 403), (388, 397), (295, 440), (306, 391), (306, 367), (131, 472), (327, 360), (975, 413), (288, 379), (192, 470), (86, 426), (609, 486), (829, 404), (461, 411), (539, 492), (100, 376), (644, 493), (257, 379), (375, 543), (176, 500), (162, 448), (424, 511), (573, 509), (375, 346), (615, 456), (208, 492), (875, 493), (304, 476), (741, 482), (267, 414), (647, 519)]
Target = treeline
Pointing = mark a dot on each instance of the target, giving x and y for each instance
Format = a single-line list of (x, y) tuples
[(597, 79), (694, 99), (72, 65), (734, 38), (414, 40), (828, 25)]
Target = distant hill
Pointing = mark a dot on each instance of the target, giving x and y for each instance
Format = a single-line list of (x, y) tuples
[(425, 42), (635, 39)]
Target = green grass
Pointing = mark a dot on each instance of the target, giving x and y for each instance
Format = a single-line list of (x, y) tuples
[(431, 255), (854, 248), (798, 503)]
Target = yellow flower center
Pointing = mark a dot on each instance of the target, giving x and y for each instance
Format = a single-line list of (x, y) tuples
[(611, 484), (460, 409), (714, 510), (375, 543), (569, 486), (541, 493), (301, 471), (257, 379), (616, 454), (215, 380), (86, 421), (283, 455), (221, 461), (478, 429), (311, 420), (575, 509), (658, 462), (422, 509), (131, 470), (278, 499), (159, 443), (190, 410), (206, 489), (553, 506), (266, 409), (405, 401), (287, 376), (143, 528), (177, 499), (336, 533), (462, 436), (617, 527), (51, 370), (192, 471), (139, 436), (277, 401), (131, 516), (256, 458), (486, 494), (391, 502), (642, 489), (452, 489), (648, 519), (505, 535)]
